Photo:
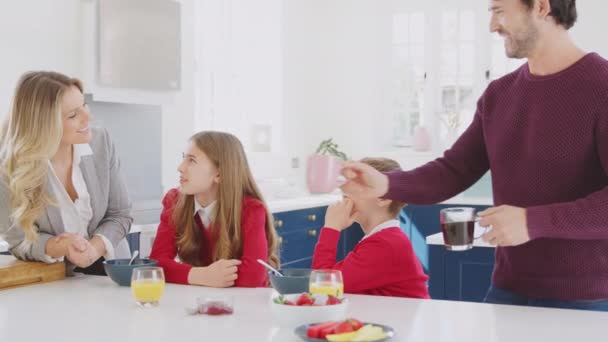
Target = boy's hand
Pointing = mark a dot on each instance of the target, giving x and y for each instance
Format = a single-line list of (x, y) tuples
[(340, 215)]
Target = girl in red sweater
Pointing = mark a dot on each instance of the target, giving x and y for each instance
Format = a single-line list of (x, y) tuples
[(216, 223), (383, 263)]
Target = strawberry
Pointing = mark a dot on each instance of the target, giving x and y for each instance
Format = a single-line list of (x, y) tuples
[(305, 299), (344, 327), (355, 323), (333, 300)]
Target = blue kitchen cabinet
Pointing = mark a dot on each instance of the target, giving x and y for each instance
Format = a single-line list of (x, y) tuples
[(467, 275), (298, 233)]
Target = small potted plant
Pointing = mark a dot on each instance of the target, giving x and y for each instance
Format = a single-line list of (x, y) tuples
[(323, 167)]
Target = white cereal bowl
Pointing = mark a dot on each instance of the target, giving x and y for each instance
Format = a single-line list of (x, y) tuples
[(291, 316)]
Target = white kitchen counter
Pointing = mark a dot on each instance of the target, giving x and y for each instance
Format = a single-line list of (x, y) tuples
[(302, 202), (91, 308)]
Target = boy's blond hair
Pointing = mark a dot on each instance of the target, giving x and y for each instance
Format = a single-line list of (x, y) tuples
[(386, 165)]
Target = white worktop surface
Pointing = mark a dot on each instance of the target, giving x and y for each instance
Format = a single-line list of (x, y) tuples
[(91, 308)]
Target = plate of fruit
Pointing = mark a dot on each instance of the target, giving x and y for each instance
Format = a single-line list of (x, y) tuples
[(349, 330)]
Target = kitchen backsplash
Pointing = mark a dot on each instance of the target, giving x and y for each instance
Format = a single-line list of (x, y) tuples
[(136, 132)]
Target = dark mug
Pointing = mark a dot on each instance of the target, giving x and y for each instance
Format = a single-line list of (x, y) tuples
[(458, 228)]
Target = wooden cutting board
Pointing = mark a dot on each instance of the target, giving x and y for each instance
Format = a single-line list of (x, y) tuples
[(16, 273)]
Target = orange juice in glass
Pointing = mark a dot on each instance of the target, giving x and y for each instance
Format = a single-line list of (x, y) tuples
[(326, 282), (147, 285)]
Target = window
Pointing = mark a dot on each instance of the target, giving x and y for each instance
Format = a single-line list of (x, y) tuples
[(443, 59), (457, 70)]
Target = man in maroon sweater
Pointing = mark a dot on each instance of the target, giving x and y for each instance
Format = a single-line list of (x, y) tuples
[(543, 132)]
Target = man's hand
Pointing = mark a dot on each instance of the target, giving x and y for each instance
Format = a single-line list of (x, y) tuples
[(508, 224)]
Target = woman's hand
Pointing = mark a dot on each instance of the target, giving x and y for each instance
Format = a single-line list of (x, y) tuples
[(57, 246)]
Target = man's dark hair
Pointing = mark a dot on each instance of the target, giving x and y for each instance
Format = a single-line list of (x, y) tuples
[(563, 11)]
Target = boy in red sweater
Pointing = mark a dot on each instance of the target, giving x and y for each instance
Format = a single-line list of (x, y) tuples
[(383, 263)]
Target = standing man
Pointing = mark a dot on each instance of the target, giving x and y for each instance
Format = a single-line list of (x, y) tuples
[(543, 132)]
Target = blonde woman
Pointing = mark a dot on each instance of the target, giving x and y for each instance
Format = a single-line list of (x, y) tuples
[(61, 192), (216, 222)]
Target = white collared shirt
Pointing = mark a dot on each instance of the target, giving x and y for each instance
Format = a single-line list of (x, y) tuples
[(76, 215), (204, 213), (382, 226)]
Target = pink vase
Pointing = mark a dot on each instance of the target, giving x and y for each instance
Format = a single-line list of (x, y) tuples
[(322, 173), (422, 139)]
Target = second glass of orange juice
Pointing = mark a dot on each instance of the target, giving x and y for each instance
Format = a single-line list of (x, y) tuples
[(327, 282), (147, 285)]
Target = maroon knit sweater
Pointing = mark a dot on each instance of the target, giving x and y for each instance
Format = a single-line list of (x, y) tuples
[(545, 140)]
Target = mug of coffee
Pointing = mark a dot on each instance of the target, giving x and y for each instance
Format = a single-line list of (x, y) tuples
[(458, 228)]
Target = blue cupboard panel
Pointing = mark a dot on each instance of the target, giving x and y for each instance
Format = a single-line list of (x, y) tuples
[(298, 244), (468, 274), (299, 231), (299, 219)]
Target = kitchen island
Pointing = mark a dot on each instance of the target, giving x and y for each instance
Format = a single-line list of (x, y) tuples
[(93, 308)]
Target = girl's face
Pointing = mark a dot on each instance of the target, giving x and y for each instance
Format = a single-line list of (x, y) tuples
[(197, 173), (76, 118)]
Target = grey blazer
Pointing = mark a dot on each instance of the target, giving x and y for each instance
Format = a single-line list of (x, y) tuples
[(109, 201)]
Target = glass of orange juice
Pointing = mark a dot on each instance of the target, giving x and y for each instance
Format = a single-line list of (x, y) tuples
[(147, 285), (327, 282)]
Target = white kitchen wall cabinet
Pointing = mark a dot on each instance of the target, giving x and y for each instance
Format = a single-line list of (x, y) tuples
[(139, 44), (137, 51)]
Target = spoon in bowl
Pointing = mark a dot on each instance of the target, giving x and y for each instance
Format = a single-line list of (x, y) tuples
[(270, 267), (135, 254)]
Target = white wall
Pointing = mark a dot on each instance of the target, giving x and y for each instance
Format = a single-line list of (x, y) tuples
[(335, 65), (589, 32), (178, 116), (38, 35)]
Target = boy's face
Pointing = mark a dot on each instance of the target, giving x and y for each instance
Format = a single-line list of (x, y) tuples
[(367, 207)]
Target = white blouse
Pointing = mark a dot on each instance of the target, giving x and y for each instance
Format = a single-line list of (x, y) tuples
[(77, 214)]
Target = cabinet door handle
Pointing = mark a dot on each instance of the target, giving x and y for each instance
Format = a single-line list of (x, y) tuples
[(312, 217), (278, 223), (312, 233)]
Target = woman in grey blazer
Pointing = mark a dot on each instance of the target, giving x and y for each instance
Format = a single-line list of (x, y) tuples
[(61, 192)]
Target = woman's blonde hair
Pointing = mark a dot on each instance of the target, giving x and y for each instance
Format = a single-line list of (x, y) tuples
[(29, 138), (236, 181)]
